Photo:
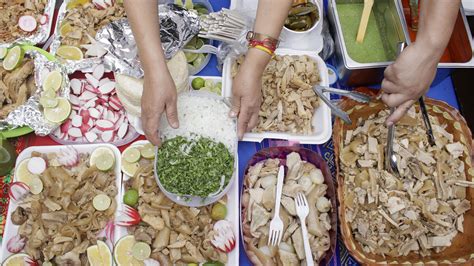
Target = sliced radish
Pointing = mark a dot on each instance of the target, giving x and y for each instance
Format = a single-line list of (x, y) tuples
[(91, 122), (18, 191), (128, 217), (103, 81), (93, 81), (76, 121), (108, 232), (36, 165), (94, 113), (104, 125), (69, 157), (90, 103), (108, 136), (122, 131), (111, 116), (107, 87), (151, 262), (66, 126), (44, 19), (76, 86), (85, 128), (27, 23), (87, 95), (224, 239), (16, 244), (98, 72), (74, 132), (99, 4), (74, 100), (108, 3), (91, 136)]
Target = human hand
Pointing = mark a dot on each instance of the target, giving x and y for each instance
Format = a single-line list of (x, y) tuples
[(159, 95), (407, 80), (246, 99)]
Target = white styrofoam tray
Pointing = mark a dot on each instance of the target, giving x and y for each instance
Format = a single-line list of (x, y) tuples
[(11, 230), (233, 208), (136, 121), (321, 122)]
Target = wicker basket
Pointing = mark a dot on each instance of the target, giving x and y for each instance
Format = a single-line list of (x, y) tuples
[(462, 249)]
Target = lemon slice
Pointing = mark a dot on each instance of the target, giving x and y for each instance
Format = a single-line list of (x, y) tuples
[(101, 202), (141, 251), (53, 81), (17, 259), (148, 151), (65, 29), (48, 102), (48, 93), (70, 52), (36, 185), (93, 255), (105, 254), (3, 52), (122, 252), (22, 174), (13, 58), (59, 113), (130, 168), (103, 158), (131, 155)]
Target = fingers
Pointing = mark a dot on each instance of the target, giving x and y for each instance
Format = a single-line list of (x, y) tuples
[(399, 113), (394, 100), (235, 110), (150, 127), (243, 123), (389, 87), (172, 114), (253, 121)]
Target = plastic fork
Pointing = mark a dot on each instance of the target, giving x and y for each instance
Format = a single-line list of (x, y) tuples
[(276, 225), (302, 210), (205, 49)]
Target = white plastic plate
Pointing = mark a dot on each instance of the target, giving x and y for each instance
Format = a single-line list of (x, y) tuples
[(232, 211), (11, 230), (322, 115)]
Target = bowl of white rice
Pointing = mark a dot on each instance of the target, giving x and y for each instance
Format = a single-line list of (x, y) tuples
[(202, 115)]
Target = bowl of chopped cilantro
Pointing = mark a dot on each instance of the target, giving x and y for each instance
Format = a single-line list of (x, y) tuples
[(194, 171)]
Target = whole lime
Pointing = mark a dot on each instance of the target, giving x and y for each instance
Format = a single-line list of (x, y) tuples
[(219, 211), (131, 197), (198, 83)]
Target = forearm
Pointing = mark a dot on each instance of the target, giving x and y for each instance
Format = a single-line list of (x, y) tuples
[(437, 19), (144, 20), (271, 17)]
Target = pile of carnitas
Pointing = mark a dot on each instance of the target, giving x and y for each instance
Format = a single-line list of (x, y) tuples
[(421, 210), (178, 235), (258, 203), (287, 107), (20, 18)]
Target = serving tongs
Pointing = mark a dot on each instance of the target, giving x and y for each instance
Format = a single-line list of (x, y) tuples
[(320, 90), (427, 122)]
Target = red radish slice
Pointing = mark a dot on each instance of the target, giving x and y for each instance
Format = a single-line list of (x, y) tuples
[(66, 126), (94, 113), (108, 2), (36, 165), (69, 157), (85, 128), (87, 95), (122, 131), (91, 136), (98, 72), (108, 136), (74, 132), (16, 244), (128, 217), (90, 103), (104, 125), (107, 87), (31, 262), (74, 100), (44, 19), (93, 81), (224, 239), (103, 81), (114, 106), (76, 121), (18, 191), (76, 86), (151, 262), (99, 4), (91, 122), (27, 23)]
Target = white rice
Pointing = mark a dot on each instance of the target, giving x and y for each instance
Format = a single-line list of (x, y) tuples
[(202, 114)]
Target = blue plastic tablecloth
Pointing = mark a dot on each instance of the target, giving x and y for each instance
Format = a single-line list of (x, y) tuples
[(444, 91)]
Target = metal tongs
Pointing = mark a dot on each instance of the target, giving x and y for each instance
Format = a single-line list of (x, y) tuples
[(321, 90)]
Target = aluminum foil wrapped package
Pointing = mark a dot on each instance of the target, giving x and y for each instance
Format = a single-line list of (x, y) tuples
[(42, 32), (178, 27), (30, 113)]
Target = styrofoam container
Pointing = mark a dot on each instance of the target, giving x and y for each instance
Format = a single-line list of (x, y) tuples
[(321, 122), (232, 211), (136, 122), (11, 230)]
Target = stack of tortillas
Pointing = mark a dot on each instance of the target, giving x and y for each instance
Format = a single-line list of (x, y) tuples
[(130, 90)]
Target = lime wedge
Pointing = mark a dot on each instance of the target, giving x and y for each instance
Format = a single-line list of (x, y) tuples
[(148, 151), (22, 174), (189, 4), (59, 113), (122, 252), (65, 29), (103, 158), (199, 43), (16, 259), (105, 253), (3, 52), (36, 185), (50, 93), (101, 202), (70, 52), (53, 81), (179, 3), (141, 251), (190, 57), (129, 168), (199, 60), (131, 155), (13, 58), (48, 102), (209, 83), (93, 255)]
